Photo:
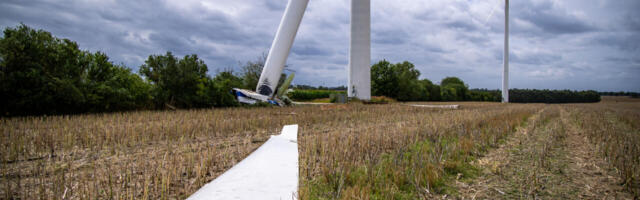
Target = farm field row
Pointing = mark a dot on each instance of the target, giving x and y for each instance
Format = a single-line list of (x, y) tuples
[(349, 151)]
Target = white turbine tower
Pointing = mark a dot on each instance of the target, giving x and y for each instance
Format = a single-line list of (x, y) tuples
[(359, 80), (505, 73)]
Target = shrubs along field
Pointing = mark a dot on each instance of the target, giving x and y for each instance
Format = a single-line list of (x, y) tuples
[(307, 95), (348, 151)]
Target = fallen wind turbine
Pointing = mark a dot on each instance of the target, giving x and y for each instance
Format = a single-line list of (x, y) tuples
[(359, 78)]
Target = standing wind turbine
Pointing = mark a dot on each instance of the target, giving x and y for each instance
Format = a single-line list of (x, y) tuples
[(505, 73)]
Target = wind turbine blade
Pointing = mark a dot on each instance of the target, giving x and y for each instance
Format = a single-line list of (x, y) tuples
[(493, 10), (490, 14), (285, 86)]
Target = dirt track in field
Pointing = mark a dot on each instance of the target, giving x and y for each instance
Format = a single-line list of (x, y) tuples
[(548, 158)]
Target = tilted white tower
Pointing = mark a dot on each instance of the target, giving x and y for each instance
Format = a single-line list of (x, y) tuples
[(281, 47), (359, 80), (505, 73)]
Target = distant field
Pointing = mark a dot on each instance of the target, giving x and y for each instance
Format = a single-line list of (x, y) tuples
[(350, 151), (615, 99)]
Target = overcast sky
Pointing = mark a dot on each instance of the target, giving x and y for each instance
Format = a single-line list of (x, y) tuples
[(555, 44)]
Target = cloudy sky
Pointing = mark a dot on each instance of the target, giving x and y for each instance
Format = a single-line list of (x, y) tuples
[(555, 44)]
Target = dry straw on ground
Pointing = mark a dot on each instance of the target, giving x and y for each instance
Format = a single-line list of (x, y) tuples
[(346, 152)]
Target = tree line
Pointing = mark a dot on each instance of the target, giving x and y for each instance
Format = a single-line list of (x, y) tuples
[(552, 96), (401, 82), (621, 93), (43, 74)]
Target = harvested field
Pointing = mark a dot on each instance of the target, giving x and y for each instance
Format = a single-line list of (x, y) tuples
[(350, 151)]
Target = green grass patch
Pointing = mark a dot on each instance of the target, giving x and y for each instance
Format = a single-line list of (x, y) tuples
[(420, 167), (417, 170)]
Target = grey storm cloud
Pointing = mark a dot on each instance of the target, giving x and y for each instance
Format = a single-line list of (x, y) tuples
[(390, 37), (550, 19), (553, 42)]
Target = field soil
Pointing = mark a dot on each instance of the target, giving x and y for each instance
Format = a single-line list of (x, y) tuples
[(548, 158), (347, 151)]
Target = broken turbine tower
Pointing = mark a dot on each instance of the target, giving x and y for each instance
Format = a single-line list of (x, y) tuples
[(359, 79)]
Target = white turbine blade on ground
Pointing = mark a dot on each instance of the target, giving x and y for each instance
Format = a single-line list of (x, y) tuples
[(270, 172)]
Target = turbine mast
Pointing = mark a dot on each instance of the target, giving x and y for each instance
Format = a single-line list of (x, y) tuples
[(505, 73), (281, 47), (359, 85)]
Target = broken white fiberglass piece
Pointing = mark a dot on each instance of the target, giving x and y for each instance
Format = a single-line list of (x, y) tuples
[(251, 97), (436, 106), (270, 172)]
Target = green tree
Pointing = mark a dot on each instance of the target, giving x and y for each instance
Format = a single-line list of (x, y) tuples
[(39, 73), (383, 79), (454, 89), (177, 82), (451, 80), (431, 91), (221, 88), (42, 74), (408, 88), (399, 81), (113, 87)]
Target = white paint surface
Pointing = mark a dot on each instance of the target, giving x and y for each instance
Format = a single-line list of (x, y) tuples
[(281, 46), (505, 73), (310, 103), (436, 106), (359, 84), (270, 172)]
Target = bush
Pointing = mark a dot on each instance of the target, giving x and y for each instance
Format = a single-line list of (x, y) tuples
[(221, 95), (110, 87), (454, 89), (178, 82), (485, 95), (398, 81)]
